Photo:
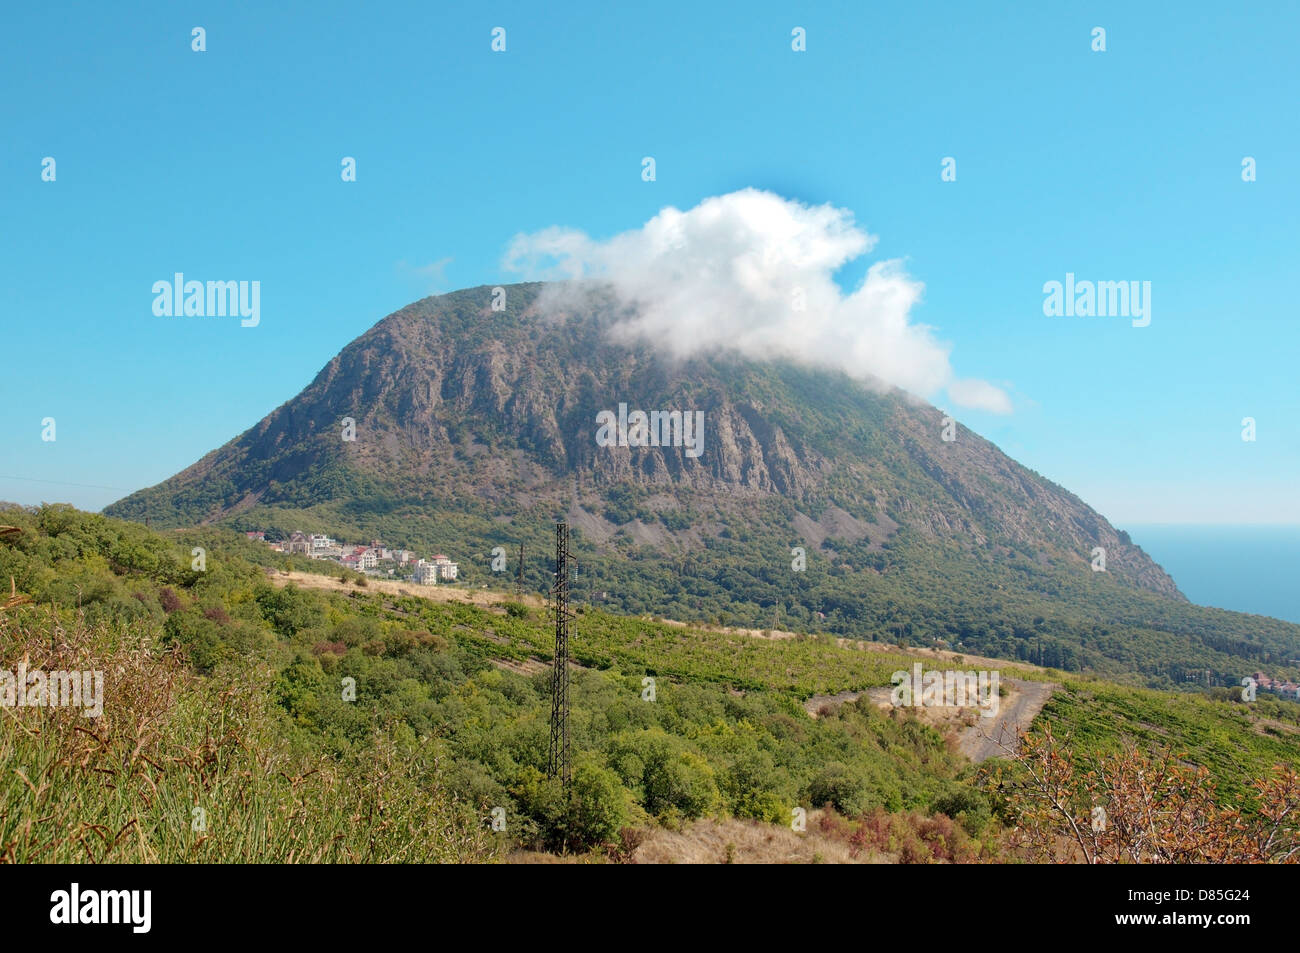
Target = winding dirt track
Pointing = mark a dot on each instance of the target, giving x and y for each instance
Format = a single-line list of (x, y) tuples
[(989, 737)]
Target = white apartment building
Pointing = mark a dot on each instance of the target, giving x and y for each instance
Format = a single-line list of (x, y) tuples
[(447, 569)]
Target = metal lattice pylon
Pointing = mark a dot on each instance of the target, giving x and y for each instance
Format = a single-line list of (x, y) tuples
[(559, 764), (519, 575)]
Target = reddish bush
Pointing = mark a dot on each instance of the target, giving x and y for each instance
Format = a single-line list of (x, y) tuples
[(913, 838), (169, 600), (913, 851), (830, 822), (1143, 808)]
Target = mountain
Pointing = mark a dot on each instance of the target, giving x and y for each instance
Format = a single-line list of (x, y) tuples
[(476, 428)]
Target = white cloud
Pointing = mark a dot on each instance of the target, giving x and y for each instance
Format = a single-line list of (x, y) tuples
[(753, 272), (432, 276), (979, 395)]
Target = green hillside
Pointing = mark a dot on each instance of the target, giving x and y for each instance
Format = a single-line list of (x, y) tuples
[(226, 692), (818, 503)]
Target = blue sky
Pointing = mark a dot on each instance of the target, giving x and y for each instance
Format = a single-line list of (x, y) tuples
[(1122, 165)]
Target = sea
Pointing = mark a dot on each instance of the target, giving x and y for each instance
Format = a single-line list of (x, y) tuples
[(1243, 568)]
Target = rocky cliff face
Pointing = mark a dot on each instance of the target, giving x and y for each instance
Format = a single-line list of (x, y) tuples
[(456, 405)]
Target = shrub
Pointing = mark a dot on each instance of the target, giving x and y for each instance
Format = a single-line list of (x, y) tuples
[(843, 788), (675, 780), (123, 789), (599, 808), (168, 599), (967, 806)]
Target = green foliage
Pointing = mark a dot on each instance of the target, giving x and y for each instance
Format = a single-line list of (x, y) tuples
[(913, 588), (599, 809), (671, 778), (1234, 741), (726, 734), (846, 790), (968, 806), (198, 769)]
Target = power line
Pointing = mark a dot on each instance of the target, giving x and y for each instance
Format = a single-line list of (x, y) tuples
[(86, 486)]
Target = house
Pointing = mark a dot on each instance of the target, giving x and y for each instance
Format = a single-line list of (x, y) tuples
[(298, 543), (256, 534), (426, 573), (1277, 686), (368, 558), (447, 569)]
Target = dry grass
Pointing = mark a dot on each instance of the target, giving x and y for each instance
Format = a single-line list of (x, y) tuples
[(484, 598), (746, 842), (124, 787)]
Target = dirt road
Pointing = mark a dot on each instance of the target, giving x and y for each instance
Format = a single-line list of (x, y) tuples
[(988, 736)]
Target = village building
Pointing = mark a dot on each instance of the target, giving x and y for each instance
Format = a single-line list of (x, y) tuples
[(1276, 686), (447, 570), (426, 573), (364, 558)]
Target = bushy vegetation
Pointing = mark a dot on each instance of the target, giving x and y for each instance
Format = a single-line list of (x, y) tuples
[(1135, 806), (189, 769), (912, 589), (1237, 743), (908, 836), (357, 724), (725, 733)]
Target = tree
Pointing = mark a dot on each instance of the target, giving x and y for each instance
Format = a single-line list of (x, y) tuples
[(1132, 807)]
